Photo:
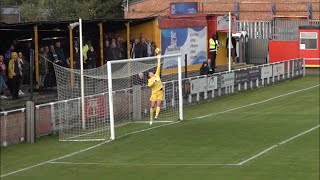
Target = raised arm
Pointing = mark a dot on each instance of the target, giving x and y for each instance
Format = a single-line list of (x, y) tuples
[(159, 66)]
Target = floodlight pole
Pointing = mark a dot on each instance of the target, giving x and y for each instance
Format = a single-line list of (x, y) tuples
[(229, 42), (83, 115)]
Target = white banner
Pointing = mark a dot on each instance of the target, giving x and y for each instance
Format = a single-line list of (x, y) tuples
[(10, 11), (278, 69), (227, 79), (198, 85), (190, 41), (266, 72), (223, 22), (212, 82)]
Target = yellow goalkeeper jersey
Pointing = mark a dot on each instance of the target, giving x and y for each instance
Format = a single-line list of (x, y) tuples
[(155, 82)]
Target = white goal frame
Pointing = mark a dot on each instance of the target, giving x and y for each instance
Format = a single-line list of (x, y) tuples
[(110, 90)]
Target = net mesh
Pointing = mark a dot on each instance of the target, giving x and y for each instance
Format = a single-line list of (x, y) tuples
[(130, 98)]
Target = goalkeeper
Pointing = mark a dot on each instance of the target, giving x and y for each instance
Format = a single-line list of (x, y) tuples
[(155, 83)]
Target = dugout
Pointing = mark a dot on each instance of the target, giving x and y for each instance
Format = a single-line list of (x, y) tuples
[(42, 33)]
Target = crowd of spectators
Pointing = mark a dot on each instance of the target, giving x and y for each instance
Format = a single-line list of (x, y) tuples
[(15, 69)]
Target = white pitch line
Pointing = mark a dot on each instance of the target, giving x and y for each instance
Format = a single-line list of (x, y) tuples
[(252, 104), (276, 145), (135, 132), (166, 164), (80, 151), (155, 121)]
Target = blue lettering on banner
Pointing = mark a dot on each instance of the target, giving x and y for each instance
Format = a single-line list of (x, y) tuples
[(227, 80), (254, 74), (241, 76)]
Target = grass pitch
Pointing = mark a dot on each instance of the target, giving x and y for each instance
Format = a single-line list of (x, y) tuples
[(259, 134)]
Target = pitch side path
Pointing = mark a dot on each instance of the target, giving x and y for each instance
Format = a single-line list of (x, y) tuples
[(267, 133)]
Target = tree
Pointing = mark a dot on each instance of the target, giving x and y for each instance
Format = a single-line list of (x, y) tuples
[(59, 10)]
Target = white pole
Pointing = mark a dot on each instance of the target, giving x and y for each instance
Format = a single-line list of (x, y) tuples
[(112, 132), (82, 78), (229, 43), (180, 88)]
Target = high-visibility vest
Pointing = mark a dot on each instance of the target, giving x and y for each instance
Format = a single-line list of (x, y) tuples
[(213, 44)]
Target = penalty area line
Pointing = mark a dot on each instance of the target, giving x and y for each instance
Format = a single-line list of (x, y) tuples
[(80, 151), (256, 103), (277, 145), (141, 164)]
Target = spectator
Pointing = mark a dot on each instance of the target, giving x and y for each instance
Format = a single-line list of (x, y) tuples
[(107, 51), (53, 54), (85, 50), (21, 65), (143, 48), (120, 46), (92, 58), (43, 66), (233, 46), (52, 57), (27, 69), (204, 70), (60, 54), (211, 70), (3, 85), (140, 79), (114, 52), (8, 55), (14, 75), (76, 52), (26, 51), (17, 45), (149, 48), (135, 49), (153, 48)]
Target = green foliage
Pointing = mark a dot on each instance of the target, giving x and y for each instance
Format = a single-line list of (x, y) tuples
[(60, 10)]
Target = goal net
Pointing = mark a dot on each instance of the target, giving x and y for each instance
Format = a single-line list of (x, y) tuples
[(116, 98)]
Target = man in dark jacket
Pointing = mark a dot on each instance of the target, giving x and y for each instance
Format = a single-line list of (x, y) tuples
[(60, 54), (204, 70), (233, 49)]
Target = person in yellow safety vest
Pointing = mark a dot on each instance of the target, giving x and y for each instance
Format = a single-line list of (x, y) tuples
[(85, 50), (213, 47)]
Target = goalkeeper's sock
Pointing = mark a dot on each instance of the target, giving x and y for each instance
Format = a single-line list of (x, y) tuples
[(151, 113), (157, 111)]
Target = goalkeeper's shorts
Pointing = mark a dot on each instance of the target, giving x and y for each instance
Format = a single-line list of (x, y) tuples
[(158, 95)]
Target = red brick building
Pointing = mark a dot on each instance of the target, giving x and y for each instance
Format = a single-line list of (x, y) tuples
[(264, 10)]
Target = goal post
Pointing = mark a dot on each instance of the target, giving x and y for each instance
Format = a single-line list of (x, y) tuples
[(113, 99), (172, 76)]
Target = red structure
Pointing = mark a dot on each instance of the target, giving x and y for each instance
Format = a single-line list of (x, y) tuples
[(307, 46)]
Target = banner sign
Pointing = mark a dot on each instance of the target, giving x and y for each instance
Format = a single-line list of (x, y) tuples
[(184, 8), (254, 74), (298, 65), (198, 85), (227, 80), (190, 41), (223, 22), (10, 11), (278, 69), (266, 72), (241, 76), (212, 83), (95, 106)]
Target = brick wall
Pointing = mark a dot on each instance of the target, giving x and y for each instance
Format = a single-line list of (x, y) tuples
[(248, 9)]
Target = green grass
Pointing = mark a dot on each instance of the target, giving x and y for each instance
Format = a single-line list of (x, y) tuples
[(171, 152)]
